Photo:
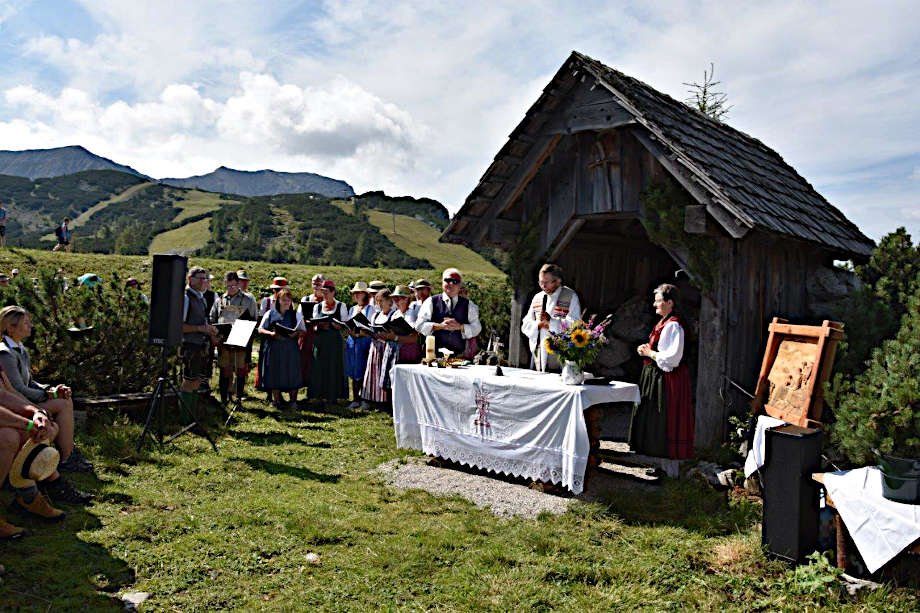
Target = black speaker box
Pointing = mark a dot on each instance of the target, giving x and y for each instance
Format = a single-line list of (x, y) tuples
[(790, 496), (166, 299)]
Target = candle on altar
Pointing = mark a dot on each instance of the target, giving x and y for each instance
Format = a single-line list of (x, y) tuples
[(430, 355)]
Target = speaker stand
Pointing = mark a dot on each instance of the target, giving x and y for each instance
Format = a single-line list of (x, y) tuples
[(157, 407)]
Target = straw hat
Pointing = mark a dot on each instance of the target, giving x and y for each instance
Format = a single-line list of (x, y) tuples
[(360, 286), (241, 275), (403, 291), (34, 462), (279, 282), (376, 286)]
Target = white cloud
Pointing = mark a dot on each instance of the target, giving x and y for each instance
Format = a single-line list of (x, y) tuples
[(335, 126)]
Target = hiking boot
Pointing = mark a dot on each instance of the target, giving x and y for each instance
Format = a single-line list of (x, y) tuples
[(62, 490), (76, 463), (38, 508), (9, 532)]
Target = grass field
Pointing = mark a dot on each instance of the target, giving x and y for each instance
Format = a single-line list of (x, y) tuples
[(420, 240), (231, 531), (197, 202), (184, 239)]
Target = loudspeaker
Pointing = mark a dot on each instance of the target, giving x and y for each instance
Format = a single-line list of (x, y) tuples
[(790, 496), (166, 299)]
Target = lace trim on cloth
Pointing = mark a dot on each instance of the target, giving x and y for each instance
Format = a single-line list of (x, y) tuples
[(537, 471)]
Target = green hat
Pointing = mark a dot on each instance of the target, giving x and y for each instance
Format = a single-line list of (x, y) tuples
[(422, 283), (402, 290)]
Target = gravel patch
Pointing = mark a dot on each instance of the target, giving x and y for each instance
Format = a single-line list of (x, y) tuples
[(502, 498), (506, 496)]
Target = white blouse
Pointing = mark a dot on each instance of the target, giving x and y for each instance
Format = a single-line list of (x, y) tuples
[(670, 347), (266, 319)]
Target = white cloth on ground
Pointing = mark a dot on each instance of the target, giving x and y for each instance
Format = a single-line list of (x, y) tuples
[(757, 455), (880, 528), (526, 423)]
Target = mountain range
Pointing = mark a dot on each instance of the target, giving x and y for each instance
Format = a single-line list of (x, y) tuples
[(40, 163), (264, 183), (62, 161)]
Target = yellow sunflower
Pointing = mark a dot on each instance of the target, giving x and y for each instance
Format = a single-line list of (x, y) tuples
[(580, 338), (548, 346)]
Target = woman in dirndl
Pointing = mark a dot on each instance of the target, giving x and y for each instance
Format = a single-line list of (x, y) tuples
[(357, 346), (410, 350), (327, 377), (279, 359), (305, 342), (663, 423), (382, 356)]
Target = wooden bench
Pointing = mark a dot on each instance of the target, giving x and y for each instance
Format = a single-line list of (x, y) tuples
[(127, 402)]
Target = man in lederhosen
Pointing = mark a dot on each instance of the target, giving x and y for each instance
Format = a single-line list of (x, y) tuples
[(196, 334), (450, 317), (234, 304), (548, 309)]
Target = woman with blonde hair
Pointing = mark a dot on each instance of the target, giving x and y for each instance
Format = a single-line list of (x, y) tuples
[(55, 402)]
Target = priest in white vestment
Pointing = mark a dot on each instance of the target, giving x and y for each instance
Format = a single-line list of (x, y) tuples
[(548, 309)]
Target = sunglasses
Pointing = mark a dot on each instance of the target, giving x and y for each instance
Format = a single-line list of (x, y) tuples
[(451, 281)]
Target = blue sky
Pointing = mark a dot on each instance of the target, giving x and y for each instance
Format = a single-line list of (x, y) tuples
[(417, 97)]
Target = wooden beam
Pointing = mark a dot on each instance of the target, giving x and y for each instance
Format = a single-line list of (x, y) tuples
[(695, 219), (517, 182), (566, 237), (735, 227), (589, 117)]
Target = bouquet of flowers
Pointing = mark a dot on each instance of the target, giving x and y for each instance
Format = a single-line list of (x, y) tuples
[(578, 341)]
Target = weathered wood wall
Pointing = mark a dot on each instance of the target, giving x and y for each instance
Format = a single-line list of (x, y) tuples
[(760, 277)]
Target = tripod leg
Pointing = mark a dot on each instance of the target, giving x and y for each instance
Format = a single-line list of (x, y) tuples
[(154, 404), (189, 415)]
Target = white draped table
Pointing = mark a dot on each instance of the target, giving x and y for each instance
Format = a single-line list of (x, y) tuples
[(526, 423)]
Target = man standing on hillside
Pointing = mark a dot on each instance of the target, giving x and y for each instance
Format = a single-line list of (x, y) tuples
[(3, 215), (452, 318), (63, 234)]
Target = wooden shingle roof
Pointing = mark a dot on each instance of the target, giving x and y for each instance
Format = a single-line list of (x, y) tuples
[(747, 179)]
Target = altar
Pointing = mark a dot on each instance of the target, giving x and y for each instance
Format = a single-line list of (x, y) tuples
[(525, 423)]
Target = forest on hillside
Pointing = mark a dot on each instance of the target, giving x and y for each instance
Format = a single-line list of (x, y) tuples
[(302, 229)]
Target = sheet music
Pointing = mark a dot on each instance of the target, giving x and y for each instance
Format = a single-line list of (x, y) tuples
[(241, 333)]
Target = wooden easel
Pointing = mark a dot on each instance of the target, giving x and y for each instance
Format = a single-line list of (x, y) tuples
[(796, 364)]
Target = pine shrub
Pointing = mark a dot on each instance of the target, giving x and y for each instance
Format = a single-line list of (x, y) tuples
[(880, 408), (112, 358)]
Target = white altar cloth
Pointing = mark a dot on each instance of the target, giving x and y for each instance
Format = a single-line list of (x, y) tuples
[(526, 423)]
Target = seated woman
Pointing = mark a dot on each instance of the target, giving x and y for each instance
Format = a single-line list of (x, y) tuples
[(663, 423), (279, 360), (410, 351), (16, 326), (327, 379)]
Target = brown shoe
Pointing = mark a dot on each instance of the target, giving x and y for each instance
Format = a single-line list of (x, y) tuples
[(39, 508), (9, 532)]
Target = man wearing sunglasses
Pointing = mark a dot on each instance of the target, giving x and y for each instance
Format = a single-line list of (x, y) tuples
[(450, 317)]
